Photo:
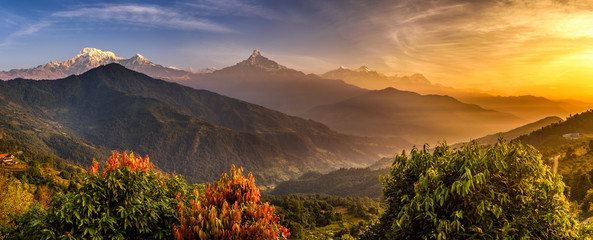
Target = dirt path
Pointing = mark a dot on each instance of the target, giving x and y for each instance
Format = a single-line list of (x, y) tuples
[(555, 167)]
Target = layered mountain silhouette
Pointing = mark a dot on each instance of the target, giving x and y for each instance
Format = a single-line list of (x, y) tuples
[(196, 133), (269, 84), (90, 58), (262, 81), (516, 132), (419, 118), (530, 108)]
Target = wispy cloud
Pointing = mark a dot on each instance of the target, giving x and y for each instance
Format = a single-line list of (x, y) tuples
[(231, 8), (143, 15), (495, 43), (29, 29)]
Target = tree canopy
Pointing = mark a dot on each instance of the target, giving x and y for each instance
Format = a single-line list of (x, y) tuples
[(500, 192)]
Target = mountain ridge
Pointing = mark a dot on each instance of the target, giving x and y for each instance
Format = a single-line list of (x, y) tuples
[(418, 118), (529, 107), (89, 58), (264, 82), (115, 108)]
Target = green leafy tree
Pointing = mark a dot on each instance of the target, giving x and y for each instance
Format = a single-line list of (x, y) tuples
[(502, 192), (127, 200), (231, 209), (15, 199)]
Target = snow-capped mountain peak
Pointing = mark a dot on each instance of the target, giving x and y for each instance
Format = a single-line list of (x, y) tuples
[(138, 56), (259, 61), (255, 54), (88, 59), (138, 59), (95, 56)]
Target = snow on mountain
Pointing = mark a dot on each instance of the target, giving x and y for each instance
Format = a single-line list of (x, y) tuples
[(90, 58), (258, 61)]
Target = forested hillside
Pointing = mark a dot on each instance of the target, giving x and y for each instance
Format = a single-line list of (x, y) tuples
[(192, 132), (361, 182)]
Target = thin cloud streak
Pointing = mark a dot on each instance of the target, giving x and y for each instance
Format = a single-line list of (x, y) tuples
[(25, 31), (231, 8), (144, 15)]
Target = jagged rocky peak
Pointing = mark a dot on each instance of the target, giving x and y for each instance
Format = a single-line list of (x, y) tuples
[(259, 61), (255, 53), (363, 68), (139, 59), (415, 79), (138, 56)]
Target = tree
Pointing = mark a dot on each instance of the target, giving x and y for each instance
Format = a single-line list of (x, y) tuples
[(231, 209), (502, 192), (14, 199), (126, 200)]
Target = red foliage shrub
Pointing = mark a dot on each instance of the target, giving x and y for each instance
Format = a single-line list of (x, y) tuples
[(231, 209)]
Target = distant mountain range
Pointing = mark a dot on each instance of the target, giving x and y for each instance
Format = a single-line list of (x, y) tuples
[(530, 108), (267, 83), (262, 81), (418, 118), (196, 133), (90, 58)]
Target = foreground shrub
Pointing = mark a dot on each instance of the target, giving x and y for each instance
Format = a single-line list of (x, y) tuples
[(231, 209), (126, 200), (129, 200), (504, 192)]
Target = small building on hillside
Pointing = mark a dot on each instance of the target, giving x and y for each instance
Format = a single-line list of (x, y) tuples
[(571, 135), (7, 159)]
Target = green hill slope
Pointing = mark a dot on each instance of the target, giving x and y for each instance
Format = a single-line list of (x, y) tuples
[(192, 132), (359, 182)]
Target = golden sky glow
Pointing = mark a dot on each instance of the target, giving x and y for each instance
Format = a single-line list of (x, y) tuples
[(541, 47)]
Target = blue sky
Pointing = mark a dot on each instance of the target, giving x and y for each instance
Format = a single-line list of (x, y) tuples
[(179, 33), (519, 46)]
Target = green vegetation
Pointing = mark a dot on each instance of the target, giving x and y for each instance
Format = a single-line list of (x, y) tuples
[(573, 157), (342, 182), (323, 216), (504, 191), (129, 200), (550, 137)]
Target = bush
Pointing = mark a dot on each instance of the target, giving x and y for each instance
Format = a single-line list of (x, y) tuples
[(127, 200), (231, 209), (504, 192)]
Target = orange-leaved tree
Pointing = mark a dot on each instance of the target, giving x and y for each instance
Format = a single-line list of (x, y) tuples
[(231, 209)]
